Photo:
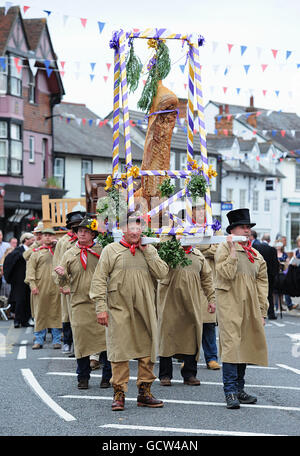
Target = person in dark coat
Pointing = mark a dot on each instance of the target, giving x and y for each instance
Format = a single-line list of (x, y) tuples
[(14, 269), (270, 256)]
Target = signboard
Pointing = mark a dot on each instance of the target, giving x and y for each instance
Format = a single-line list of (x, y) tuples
[(226, 206)]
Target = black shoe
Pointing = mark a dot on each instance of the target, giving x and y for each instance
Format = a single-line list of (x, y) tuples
[(245, 398), (272, 317), (17, 325), (232, 401), (105, 383), (83, 384), (27, 325)]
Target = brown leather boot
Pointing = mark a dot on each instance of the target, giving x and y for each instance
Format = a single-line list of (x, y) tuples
[(119, 399), (146, 399)]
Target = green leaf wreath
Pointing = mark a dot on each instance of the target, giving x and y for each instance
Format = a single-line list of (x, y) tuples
[(104, 239), (197, 186), (173, 254), (166, 188)]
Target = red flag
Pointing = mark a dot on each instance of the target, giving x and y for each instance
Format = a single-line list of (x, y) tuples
[(225, 89), (25, 8), (229, 117), (264, 92), (19, 67), (257, 158), (83, 121), (185, 86), (274, 52), (283, 133), (108, 66), (101, 123), (225, 132), (229, 47), (83, 21), (62, 64), (264, 66), (105, 78), (135, 30), (62, 73)]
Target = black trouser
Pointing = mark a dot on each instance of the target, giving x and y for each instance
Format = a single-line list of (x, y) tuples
[(22, 309), (271, 311), (83, 367), (189, 368), (67, 333)]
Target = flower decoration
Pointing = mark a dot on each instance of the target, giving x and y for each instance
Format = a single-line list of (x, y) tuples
[(211, 172), (94, 225), (134, 171), (108, 183)]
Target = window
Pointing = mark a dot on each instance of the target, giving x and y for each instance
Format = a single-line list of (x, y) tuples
[(242, 197), (86, 168), (267, 205), (172, 161), (270, 184), (31, 149), (3, 129), (213, 182), (31, 89), (229, 194), (15, 77), (3, 75), (255, 200), (16, 149), (59, 171), (297, 182), (3, 156)]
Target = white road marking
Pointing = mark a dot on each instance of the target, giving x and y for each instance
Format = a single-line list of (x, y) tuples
[(23, 350), (29, 330), (293, 369), (294, 337), (33, 383), (295, 388), (57, 357), (182, 430), (178, 401), (278, 324)]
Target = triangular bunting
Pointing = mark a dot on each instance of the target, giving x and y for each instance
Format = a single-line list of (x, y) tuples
[(108, 65), (101, 26), (135, 30), (25, 8), (229, 47), (185, 85), (243, 49), (90, 122), (238, 90), (32, 66), (246, 68), (182, 67), (7, 6), (83, 121), (48, 69), (92, 77), (283, 133), (225, 89), (62, 73), (105, 78), (3, 63), (47, 12), (298, 65), (274, 52), (264, 92), (264, 66), (62, 64), (83, 21), (93, 65), (277, 92), (287, 55), (19, 67)]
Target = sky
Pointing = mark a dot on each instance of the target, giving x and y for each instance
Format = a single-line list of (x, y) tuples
[(257, 26)]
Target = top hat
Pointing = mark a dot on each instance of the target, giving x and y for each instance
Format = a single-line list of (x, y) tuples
[(74, 218), (238, 217)]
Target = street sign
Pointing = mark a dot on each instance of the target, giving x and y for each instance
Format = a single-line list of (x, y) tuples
[(226, 206)]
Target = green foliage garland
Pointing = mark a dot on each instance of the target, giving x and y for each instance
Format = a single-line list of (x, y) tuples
[(173, 254), (159, 70), (197, 186), (166, 188), (133, 70), (104, 239)]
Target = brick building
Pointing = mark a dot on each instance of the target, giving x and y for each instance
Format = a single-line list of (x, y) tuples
[(30, 87)]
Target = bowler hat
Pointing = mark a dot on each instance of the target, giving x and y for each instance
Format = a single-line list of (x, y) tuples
[(238, 217), (74, 218)]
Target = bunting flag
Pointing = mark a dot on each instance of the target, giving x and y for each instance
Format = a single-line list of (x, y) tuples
[(264, 67), (108, 65), (230, 46), (246, 68), (264, 92), (19, 67), (238, 90), (32, 66), (47, 12), (93, 65), (105, 78), (274, 52), (243, 49), (25, 8), (101, 26), (287, 55), (225, 89), (48, 69), (277, 92), (92, 77), (7, 6), (3, 63), (83, 21), (182, 67)]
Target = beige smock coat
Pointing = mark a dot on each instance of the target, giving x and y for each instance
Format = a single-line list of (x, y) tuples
[(123, 286), (63, 244), (242, 301), (180, 307), (46, 305), (88, 335)]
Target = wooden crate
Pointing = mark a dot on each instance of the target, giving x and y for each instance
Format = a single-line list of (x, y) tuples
[(55, 210)]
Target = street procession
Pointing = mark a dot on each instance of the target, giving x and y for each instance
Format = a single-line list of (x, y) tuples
[(150, 257)]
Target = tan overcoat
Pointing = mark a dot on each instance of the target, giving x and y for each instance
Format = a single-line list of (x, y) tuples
[(123, 286), (26, 255), (63, 244), (180, 306), (88, 335), (242, 301), (46, 305)]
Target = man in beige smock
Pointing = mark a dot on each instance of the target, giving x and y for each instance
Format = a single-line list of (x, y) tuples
[(45, 294), (180, 320), (75, 274), (65, 243), (242, 304), (124, 294)]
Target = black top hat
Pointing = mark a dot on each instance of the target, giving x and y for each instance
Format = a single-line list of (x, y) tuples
[(74, 218), (238, 217)]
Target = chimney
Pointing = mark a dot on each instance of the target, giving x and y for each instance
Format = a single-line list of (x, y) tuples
[(252, 119), (224, 122)]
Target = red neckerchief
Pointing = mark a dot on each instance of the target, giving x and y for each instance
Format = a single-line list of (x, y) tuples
[(248, 249), (84, 249), (188, 249), (73, 236), (131, 247), (49, 247)]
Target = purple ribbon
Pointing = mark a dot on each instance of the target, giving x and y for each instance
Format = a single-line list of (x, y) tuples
[(216, 226), (201, 40), (114, 42), (162, 112)]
